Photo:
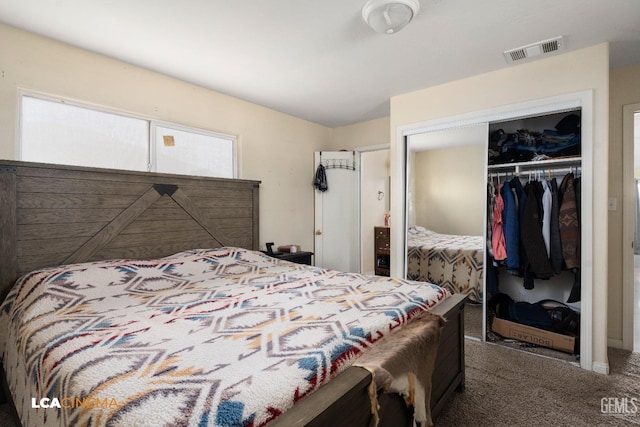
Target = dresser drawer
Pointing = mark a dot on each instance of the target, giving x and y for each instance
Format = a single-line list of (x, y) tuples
[(382, 239), (381, 232), (382, 244)]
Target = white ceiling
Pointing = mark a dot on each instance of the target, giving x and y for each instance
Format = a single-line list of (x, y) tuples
[(317, 59)]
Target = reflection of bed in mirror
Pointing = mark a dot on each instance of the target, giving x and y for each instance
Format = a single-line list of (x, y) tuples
[(446, 194), (452, 261)]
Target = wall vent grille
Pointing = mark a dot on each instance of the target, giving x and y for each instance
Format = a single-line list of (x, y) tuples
[(545, 47)]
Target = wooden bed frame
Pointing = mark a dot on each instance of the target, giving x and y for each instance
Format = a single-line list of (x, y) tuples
[(52, 215)]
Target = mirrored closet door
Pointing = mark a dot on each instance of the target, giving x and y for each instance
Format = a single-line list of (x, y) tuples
[(446, 205)]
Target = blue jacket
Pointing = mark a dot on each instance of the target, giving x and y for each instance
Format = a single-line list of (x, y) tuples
[(511, 227)]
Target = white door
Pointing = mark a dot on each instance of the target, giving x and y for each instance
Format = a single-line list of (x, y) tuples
[(337, 229)]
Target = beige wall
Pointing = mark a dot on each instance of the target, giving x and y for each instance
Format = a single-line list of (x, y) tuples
[(449, 189), (363, 134), (624, 89), (586, 69), (274, 147)]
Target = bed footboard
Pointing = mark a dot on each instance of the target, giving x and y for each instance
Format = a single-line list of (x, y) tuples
[(449, 373), (345, 400)]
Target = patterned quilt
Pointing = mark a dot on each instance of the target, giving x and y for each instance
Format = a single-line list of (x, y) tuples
[(221, 337), (454, 262)]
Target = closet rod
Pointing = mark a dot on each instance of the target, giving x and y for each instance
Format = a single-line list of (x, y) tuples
[(542, 172)]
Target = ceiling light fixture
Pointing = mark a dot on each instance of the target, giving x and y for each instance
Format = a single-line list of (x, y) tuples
[(389, 16)]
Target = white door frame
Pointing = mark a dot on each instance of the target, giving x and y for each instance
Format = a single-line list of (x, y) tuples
[(628, 223)]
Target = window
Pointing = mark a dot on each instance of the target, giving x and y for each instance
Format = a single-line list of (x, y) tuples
[(185, 151), (54, 131)]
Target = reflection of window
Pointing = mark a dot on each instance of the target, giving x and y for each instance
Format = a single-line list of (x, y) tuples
[(53, 131)]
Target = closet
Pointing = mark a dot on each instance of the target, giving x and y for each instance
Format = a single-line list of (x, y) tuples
[(533, 231), (535, 115)]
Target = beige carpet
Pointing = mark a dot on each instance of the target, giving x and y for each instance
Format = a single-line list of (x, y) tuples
[(506, 387)]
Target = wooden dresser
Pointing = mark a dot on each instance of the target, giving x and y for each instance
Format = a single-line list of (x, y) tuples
[(382, 251)]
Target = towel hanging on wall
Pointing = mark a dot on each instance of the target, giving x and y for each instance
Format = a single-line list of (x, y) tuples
[(320, 181)]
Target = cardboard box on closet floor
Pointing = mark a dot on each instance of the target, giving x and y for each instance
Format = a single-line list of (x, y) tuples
[(533, 335)]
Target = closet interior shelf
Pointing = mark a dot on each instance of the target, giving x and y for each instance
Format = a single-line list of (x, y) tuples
[(339, 163)]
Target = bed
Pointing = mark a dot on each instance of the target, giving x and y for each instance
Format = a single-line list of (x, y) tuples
[(58, 222), (454, 262)]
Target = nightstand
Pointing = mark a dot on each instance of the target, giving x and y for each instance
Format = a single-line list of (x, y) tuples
[(300, 257)]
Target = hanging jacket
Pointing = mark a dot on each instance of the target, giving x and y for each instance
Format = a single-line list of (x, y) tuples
[(511, 227), (498, 246), (521, 200), (491, 197), (531, 233), (538, 191), (521, 196), (320, 181), (546, 216), (555, 243), (569, 227)]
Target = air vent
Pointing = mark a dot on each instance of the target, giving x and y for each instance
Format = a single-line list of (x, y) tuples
[(550, 46), (533, 50)]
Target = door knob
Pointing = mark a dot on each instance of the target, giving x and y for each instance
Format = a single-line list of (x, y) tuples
[(318, 232)]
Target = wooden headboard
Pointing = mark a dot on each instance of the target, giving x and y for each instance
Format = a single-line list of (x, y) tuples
[(52, 215)]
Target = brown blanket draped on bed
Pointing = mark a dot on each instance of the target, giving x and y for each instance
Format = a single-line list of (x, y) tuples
[(405, 365)]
